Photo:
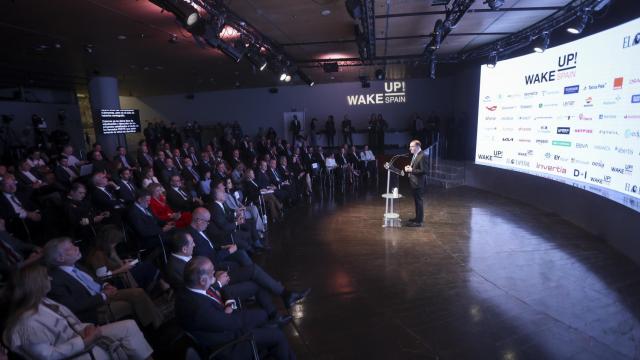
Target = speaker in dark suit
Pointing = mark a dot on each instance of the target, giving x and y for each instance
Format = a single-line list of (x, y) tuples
[(417, 173)]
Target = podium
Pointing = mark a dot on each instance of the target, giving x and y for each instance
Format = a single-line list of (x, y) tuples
[(391, 218)]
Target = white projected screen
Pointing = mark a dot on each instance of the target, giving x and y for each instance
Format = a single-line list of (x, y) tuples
[(571, 114)]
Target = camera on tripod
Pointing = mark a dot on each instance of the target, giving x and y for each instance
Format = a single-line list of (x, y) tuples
[(38, 122)]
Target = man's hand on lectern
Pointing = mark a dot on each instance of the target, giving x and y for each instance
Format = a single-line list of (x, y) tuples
[(408, 169)]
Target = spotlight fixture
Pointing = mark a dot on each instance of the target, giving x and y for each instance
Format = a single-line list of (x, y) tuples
[(493, 60), (380, 74), (183, 11), (257, 60), (542, 43), (287, 78), (437, 35), (283, 76), (494, 4), (578, 24), (305, 78)]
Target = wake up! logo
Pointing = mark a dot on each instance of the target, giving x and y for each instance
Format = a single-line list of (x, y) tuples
[(566, 70), (394, 93)]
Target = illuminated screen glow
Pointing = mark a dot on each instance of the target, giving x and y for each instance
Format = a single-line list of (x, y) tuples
[(571, 114)]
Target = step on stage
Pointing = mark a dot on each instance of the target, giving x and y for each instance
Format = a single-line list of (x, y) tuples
[(485, 278)]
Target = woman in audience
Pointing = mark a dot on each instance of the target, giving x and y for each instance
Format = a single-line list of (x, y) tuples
[(105, 262), (234, 200), (300, 174), (149, 177), (40, 328), (162, 211)]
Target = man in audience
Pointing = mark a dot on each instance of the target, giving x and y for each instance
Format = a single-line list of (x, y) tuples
[(168, 171), (252, 193), (144, 157), (104, 196), (190, 176), (78, 291), (227, 224), (150, 232), (65, 175), (72, 161), (182, 245), (201, 311), (15, 253), (178, 198), (126, 189), (127, 162), (235, 261), (21, 216)]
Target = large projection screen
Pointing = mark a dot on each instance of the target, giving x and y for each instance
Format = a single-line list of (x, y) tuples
[(571, 114)]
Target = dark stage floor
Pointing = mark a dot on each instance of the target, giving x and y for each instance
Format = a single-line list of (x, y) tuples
[(486, 278)]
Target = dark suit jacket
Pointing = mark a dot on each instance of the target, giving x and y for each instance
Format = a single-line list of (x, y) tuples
[(146, 227), (21, 249), (177, 202), (418, 177), (130, 161), (262, 179), (62, 176), (68, 291), (222, 223), (24, 183), (103, 202), (207, 249), (12, 220), (174, 272), (205, 319), (142, 160), (125, 193), (251, 192)]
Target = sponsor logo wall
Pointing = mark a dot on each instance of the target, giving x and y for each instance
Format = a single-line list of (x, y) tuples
[(571, 114)]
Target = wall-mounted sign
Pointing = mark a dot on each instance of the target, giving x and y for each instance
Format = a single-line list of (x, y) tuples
[(394, 93)]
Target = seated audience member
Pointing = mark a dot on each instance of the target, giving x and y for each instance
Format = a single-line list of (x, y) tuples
[(252, 192), (352, 158), (71, 159), (228, 226), (104, 196), (236, 261), (125, 159), (177, 159), (77, 290), (281, 182), (149, 177), (28, 183), (14, 253), (330, 162), (237, 174), (221, 172), (144, 157), (40, 328), (301, 175), (263, 180), (64, 174), (21, 216), (126, 189), (182, 251), (100, 164), (190, 177), (169, 170), (201, 311), (205, 163), (163, 212), (204, 186), (82, 220), (346, 169), (178, 198), (320, 158), (368, 160), (105, 262), (151, 233), (37, 162), (234, 201)]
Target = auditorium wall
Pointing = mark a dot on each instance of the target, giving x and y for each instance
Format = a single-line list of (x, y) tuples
[(254, 108)]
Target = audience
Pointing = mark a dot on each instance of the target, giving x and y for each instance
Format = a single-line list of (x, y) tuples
[(188, 221)]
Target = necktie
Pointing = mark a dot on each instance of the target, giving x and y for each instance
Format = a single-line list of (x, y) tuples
[(215, 295), (86, 280), (413, 159), (195, 175), (276, 175), (194, 159), (206, 238), (15, 200), (107, 192), (124, 161), (182, 193)]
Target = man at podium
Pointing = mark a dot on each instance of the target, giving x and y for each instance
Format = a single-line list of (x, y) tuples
[(417, 171)]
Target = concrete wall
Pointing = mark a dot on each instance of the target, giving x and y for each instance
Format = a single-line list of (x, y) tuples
[(254, 108)]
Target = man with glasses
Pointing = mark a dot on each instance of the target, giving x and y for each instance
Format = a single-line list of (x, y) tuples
[(416, 171)]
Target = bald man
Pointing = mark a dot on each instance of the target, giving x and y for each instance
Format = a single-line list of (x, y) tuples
[(417, 171)]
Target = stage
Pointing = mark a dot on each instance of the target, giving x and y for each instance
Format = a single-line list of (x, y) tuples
[(486, 277)]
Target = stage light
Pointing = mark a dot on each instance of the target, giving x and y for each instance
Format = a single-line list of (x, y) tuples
[(493, 60), (305, 78), (578, 24), (234, 52), (542, 43), (380, 74), (283, 76), (257, 60), (494, 4), (183, 11), (287, 78), (437, 35)]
